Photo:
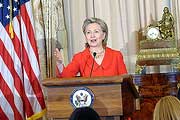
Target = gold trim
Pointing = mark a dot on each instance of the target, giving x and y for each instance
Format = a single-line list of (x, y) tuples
[(37, 115), (11, 24), (178, 85)]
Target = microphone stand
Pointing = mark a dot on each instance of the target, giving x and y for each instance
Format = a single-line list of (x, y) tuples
[(94, 55)]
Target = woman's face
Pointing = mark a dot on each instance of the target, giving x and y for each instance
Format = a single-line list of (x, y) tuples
[(94, 35)]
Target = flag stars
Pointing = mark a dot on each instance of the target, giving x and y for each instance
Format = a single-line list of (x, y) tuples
[(7, 16), (8, 7), (16, 1), (1, 5), (14, 9)]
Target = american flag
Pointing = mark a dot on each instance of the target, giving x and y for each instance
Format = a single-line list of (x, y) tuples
[(21, 96)]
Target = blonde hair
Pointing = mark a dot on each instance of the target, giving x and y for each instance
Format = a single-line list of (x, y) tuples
[(102, 24), (167, 108)]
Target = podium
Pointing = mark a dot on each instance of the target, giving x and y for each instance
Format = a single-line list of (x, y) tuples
[(113, 96)]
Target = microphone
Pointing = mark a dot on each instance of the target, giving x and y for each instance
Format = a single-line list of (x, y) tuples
[(58, 45), (94, 55)]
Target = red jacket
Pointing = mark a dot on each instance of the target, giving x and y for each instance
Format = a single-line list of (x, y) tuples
[(82, 62)]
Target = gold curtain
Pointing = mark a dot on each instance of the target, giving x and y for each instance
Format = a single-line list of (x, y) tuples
[(50, 28), (40, 35)]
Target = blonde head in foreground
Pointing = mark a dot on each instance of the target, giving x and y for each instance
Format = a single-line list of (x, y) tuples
[(167, 108)]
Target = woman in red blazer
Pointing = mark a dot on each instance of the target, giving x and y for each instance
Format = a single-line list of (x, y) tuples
[(97, 59)]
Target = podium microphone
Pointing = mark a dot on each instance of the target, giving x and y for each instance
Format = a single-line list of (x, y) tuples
[(94, 55)]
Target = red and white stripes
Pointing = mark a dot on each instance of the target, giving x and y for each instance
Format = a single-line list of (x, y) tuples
[(21, 95)]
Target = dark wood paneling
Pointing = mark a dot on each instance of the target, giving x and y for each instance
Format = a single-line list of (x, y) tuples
[(151, 88)]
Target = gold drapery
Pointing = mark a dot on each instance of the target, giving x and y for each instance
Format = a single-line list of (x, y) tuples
[(50, 28)]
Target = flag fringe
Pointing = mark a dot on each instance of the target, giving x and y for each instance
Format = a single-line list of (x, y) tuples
[(11, 30), (37, 115)]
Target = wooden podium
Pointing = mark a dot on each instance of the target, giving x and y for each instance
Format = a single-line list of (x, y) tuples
[(113, 96)]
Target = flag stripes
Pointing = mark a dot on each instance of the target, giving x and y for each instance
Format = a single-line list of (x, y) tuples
[(10, 75), (20, 88), (3, 115), (11, 99), (31, 66)]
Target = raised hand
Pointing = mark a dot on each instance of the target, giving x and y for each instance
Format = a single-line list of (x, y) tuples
[(58, 56)]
